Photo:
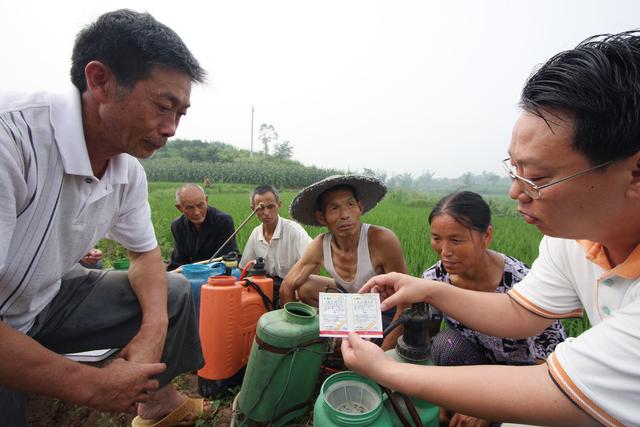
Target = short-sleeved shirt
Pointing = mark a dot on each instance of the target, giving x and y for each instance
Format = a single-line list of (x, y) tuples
[(53, 209), (193, 245), (502, 350), (600, 369), (287, 245)]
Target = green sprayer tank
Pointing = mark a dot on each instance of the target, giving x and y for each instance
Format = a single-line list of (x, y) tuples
[(348, 399), (284, 366)]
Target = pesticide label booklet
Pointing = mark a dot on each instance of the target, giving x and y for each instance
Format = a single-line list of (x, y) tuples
[(344, 313)]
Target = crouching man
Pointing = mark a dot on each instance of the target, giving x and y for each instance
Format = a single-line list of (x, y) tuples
[(69, 176)]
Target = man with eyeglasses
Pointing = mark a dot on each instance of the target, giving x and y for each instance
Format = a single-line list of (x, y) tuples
[(201, 229), (574, 159), (279, 241)]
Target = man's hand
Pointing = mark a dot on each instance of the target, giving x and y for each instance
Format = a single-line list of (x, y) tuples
[(396, 288), (287, 293), (92, 257), (460, 420), (146, 346), (363, 357), (121, 384)]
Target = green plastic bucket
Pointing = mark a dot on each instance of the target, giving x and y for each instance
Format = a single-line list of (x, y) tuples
[(121, 264), (349, 399)]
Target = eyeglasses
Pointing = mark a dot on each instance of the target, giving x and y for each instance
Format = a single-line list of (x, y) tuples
[(530, 188)]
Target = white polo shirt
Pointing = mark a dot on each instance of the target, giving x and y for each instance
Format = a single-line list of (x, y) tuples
[(285, 249), (52, 208), (600, 369)]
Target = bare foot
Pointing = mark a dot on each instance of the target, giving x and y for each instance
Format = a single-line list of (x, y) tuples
[(161, 402)]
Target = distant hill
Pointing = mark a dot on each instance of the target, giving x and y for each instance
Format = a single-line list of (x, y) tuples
[(195, 160)]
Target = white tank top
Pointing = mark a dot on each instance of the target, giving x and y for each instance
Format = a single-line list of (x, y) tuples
[(364, 268)]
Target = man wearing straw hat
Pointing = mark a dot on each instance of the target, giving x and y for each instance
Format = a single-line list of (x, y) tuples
[(352, 252)]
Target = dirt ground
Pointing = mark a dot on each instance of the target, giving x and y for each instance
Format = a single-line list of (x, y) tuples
[(49, 412)]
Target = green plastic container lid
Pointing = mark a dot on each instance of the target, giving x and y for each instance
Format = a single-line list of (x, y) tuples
[(121, 264)]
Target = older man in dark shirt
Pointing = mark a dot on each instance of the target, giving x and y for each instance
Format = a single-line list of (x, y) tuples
[(201, 229)]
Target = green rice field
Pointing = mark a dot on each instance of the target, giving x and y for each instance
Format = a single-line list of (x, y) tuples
[(403, 212)]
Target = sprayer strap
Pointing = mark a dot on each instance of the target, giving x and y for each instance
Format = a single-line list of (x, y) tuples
[(283, 350), (275, 419), (268, 304), (396, 408), (413, 412)]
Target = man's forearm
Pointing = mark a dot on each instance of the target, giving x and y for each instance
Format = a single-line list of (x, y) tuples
[(487, 312), (27, 366), (514, 393), (148, 278)]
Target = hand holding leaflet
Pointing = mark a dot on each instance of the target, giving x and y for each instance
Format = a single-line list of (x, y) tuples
[(344, 313)]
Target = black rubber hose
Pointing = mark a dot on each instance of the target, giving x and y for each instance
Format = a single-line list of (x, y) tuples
[(399, 321)]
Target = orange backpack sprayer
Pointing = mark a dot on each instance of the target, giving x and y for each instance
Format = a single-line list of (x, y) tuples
[(229, 312)]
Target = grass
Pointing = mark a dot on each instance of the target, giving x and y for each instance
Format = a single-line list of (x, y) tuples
[(405, 213)]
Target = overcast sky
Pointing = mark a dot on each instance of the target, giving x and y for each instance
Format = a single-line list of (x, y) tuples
[(401, 86)]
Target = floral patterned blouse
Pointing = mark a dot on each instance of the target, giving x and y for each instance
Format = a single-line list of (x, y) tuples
[(502, 350)]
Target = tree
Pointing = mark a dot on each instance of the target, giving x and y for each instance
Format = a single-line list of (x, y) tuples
[(403, 180), (491, 178), (377, 173), (425, 180), (268, 135), (467, 179), (284, 150)]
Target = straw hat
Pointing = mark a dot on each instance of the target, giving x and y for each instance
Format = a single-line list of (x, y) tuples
[(369, 191)]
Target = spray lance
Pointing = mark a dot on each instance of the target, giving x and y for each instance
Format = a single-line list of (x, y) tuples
[(215, 254)]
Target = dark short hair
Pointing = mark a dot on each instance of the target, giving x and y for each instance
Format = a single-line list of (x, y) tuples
[(131, 44), (466, 207), (264, 189), (598, 85), (320, 202)]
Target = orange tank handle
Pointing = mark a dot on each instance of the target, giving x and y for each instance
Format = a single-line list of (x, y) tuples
[(265, 287)]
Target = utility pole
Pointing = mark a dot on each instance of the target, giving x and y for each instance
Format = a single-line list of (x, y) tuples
[(251, 152)]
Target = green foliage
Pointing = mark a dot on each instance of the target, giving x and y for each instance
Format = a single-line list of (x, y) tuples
[(282, 173), (283, 150), (193, 160), (197, 150)]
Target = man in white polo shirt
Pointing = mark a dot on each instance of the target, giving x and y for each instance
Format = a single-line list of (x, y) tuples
[(280, 241), (575, 163), (69, 176)]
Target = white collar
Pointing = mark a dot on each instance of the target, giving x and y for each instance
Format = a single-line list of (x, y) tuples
[(66, 119), (276, 233)]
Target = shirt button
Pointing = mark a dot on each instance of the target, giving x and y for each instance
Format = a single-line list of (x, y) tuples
[(606, 310), (88, 180), (608, 282)]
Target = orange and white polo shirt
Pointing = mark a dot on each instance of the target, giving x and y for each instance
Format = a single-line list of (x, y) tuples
[(600, 369)]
